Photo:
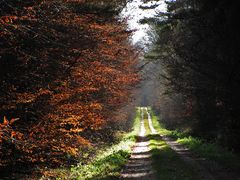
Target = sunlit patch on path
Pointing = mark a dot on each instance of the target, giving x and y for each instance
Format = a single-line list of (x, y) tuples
[(139, 165)]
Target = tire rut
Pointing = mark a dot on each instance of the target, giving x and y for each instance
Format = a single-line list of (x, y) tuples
[(139, 166)]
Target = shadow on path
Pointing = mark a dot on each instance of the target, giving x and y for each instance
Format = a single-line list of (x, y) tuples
[(139, 165), (207, 169)]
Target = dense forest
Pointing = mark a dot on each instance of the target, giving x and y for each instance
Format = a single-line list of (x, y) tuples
[(197, 51), (66, 70), (70, 79)]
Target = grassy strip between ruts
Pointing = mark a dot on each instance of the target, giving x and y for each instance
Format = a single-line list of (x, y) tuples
[(108, 162), (167, 162), (199, 147)]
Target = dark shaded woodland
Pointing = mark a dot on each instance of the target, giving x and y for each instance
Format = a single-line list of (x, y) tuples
[(198, 51), (66, 70), (68, 76)]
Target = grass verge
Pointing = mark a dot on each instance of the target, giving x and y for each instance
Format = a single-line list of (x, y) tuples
[(166, 161), (203, 149), (108, 162)]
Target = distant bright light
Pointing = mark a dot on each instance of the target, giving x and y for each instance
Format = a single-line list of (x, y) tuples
[(133, 13)]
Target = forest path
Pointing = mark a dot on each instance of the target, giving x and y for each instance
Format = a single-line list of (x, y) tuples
[(139, 166)]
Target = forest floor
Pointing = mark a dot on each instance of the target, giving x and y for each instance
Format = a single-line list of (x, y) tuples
[(145, 153), (156, 156)]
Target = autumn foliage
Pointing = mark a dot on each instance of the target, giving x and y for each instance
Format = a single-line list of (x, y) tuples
[(64, 74)]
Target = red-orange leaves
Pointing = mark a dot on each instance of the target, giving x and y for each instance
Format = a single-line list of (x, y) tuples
[(75, 71), (5, 121), (7, 19), (6, 131)]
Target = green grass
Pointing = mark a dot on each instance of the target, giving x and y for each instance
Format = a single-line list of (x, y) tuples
[(146, 125), (108, 162), (203, 149), (212, 152), (167, 162), (163, 131)]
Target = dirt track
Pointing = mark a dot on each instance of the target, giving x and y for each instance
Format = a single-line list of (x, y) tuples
[(140, 166)]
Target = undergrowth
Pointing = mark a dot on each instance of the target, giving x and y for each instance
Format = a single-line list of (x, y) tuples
[(107, 163), (200, 147), (167, 162)]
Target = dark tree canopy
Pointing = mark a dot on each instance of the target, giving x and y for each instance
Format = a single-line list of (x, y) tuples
[(199, 55)]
